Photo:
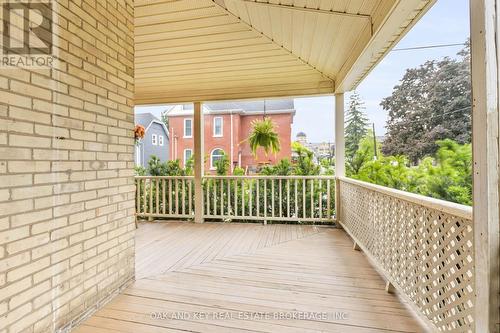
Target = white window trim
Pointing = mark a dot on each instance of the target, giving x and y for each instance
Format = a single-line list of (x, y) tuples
[(215, 135), (185, 158), (184, 131), (212, 167), (154, 139), (161, 142)]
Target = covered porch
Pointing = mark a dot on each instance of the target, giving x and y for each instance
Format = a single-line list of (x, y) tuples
[(215, 277), (71, 258)]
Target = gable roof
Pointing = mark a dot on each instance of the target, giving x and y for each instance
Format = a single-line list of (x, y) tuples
[(146, 119)]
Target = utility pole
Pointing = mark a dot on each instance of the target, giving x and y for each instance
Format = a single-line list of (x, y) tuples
[(374, 142)]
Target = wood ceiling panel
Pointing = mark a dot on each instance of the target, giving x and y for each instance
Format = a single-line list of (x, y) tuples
[(189, 50)]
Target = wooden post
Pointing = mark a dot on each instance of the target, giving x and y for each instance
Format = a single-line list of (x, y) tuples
[(485, 150), (198, 162), (339, 150)]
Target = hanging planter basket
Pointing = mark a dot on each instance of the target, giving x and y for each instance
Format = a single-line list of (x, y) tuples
[(264, 135)]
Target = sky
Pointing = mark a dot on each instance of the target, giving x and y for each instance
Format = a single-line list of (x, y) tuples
[(447, 22)]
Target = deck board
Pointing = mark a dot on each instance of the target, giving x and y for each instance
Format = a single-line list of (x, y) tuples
[(233, 268)]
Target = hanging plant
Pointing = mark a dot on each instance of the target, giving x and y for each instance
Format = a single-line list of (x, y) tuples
[(139, 132), (264, 135)]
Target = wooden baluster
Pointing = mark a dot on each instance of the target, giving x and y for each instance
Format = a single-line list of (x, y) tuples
[(288, 197), (157, 188), (235, 197), (221, 196), (296, 199), (243, 197), (312, 198), (304, 183), (320, 199), (190, 193), (215, 196), (176, 196), (328, 203), (280, 197), (183, 197), (138, 196), (170, 196), (228, 197), (151, 195), (163, 194), (272, 197), (258, 198), (265, 200), (250, 196)]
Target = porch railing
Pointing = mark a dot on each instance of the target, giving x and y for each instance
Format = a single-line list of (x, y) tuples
[(423, 246), (261, 198), (169, 196), (270, 198)]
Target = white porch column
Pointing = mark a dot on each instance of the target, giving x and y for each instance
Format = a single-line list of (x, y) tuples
[(339, 136), (485, 148), (198, 161), (339, 150)]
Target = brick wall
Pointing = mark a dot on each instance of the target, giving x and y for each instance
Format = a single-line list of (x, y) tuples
[(242, 127), (66, 167)]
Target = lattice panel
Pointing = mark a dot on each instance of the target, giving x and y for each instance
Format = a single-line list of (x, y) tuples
[(427, 253)]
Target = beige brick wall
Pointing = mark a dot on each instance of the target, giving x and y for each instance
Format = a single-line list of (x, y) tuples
[(66, 171)]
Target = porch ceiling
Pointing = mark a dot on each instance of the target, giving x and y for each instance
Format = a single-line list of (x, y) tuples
[(201, 50)]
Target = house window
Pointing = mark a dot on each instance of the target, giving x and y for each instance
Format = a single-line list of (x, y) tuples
[(187, 155), (216, 155), (188, 128), (154, 140), (218, 126), (160, 140)]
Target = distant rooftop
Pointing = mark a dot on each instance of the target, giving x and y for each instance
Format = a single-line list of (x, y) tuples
[(245, 107), (145, 119)]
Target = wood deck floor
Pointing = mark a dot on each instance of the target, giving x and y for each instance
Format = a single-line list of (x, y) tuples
[(213, 277)]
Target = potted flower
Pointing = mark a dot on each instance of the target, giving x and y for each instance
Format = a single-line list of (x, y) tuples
[(139, 132)]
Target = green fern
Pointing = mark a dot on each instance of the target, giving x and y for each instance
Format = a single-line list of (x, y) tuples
[(264, 135)]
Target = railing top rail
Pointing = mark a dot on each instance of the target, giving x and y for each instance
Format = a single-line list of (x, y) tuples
[(437, 204), (239, 177), (270, 177), (164, 177)]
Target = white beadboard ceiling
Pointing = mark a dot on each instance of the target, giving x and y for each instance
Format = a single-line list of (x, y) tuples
[(202, 50)]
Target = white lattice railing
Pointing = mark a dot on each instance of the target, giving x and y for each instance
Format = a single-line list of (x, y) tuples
[(423, 246), (261, 198)]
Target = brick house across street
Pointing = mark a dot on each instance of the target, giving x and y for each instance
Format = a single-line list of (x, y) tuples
[(227, 127)]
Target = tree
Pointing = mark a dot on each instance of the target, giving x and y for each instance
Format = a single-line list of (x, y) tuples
[(356, 124), (264, 135), (282, 168), (431, 103), (448, 176), (304, 162), (222, 165), (364, 154), (164, 118)]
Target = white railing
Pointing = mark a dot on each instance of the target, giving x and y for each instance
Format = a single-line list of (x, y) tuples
[(423, 246), (227, 198), (165, 196), (270, 198)]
